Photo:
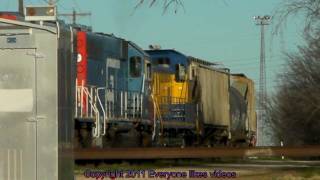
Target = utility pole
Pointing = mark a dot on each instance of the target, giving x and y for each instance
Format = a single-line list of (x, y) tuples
[(74, 15), (262, 21), (21, 6)]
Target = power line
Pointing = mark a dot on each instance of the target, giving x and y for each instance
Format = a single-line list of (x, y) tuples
[(250, 63), (21, 11), (251, 58), (74, 15), (256, 66)]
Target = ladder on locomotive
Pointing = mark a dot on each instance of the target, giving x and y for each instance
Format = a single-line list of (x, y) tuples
[(90, 108)]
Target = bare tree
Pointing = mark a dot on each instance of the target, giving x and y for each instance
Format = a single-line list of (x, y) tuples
[(309, 9), (166, 4), (295, 109)]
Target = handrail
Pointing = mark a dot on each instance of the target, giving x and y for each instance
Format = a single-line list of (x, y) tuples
[(157, 113), (123, 103), (103, 112), (96, 131), (154, 118), (116, 104), (87, 99)]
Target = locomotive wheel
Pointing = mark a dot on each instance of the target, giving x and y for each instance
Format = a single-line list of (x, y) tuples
[(208, 144), (131, 139), (183, 142), (240, 143), (76, 142), (86, 137), (109, 138), (145, 139), (159, 142)]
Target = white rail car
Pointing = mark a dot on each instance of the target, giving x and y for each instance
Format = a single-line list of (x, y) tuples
[(36, 106)]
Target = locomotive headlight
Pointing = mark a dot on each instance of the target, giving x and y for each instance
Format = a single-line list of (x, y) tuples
[(79, 58)]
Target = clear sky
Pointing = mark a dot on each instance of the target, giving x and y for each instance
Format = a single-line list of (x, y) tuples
[(215, 30)]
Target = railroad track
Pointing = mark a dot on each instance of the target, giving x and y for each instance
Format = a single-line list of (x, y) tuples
[(193, 152)]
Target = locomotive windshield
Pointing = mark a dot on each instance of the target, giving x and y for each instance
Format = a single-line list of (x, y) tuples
[(148, 71), (180, 72), (163, 61), (135, 66)]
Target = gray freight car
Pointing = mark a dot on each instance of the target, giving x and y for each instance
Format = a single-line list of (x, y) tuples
[(243, 109), (36, 99), (212, 97)]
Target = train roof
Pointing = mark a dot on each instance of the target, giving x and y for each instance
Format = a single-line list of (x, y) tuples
[(239, 74), (165, 50), (190, 58), (200, 61), (138, 48), (241, 77)]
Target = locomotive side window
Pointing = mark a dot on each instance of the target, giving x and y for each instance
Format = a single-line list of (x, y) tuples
[(135, 66), (180, 73), (148, 71), (192, 72)]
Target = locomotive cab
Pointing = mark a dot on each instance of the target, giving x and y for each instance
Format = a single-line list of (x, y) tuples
[(180, 74)]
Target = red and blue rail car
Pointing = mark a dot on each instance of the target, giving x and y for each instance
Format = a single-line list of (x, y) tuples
[(113, 77)]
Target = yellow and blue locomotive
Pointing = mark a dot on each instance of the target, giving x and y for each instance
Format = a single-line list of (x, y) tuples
[(198, 103)]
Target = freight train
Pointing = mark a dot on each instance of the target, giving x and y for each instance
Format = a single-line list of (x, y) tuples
[(63, 85)]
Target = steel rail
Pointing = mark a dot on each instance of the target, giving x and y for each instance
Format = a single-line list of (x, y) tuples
[(201, 152)]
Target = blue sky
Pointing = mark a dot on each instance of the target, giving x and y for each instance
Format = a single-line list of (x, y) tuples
[(215, 30)]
